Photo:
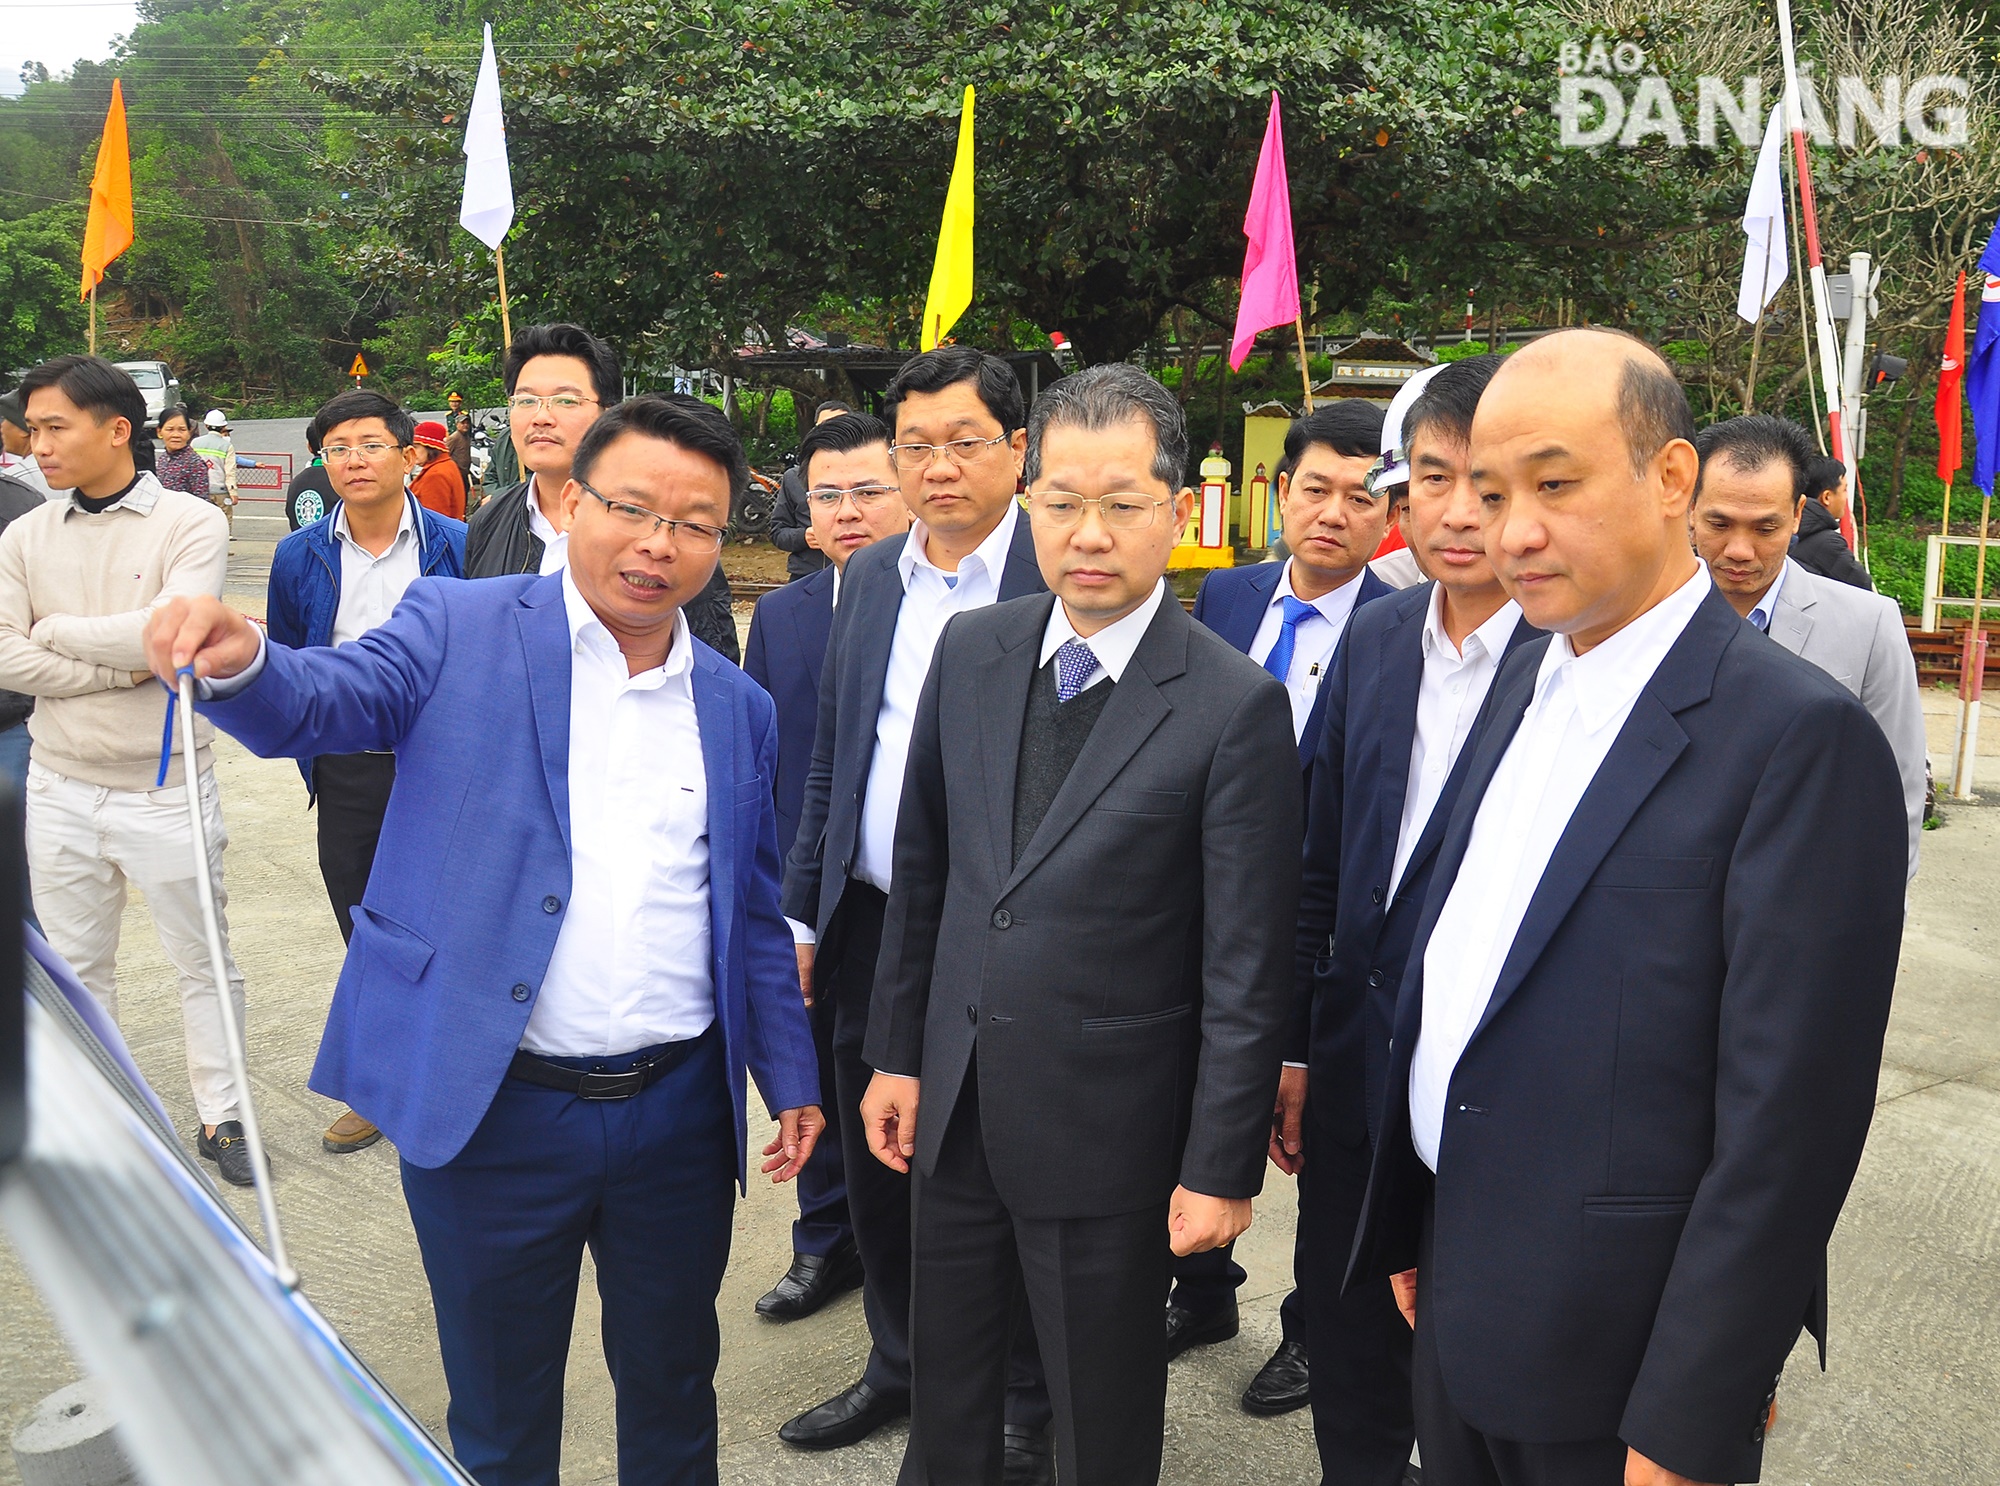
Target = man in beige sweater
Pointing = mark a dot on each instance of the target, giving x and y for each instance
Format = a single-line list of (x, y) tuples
[(78, 578)]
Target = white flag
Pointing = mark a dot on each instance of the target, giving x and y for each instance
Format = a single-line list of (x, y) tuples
[(488, 208), (1764, 224)]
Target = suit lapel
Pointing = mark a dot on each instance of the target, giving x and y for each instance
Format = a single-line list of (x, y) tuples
[(1239, 625), (1135, 708), (871, 630), (813, 623), (1003, 681), (1022, 574), (715, 719), (1792, 624), (545, 644), (1399, 678)]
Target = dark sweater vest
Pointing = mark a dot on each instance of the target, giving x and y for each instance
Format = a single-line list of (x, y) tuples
[(1052, 737)]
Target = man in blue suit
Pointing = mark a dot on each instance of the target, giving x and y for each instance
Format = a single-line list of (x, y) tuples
[(567, 957), (1289, 617), (961, 437), (1402, 704), (852, 501), (1634, 1058)]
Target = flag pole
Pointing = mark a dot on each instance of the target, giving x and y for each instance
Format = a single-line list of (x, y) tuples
[(1972, 670), (93, 319), (1305, 371), (1944, 526), (506, 327)]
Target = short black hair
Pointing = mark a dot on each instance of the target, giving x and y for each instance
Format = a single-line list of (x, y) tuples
[(1750, 442), (1350, 426), (686, 422), (359, 402), (831, 405), (1111, 395), (565, 339), (947, 366), (178, 410), (102, 390), (842, 435), (1446, 405), (1823, 475)]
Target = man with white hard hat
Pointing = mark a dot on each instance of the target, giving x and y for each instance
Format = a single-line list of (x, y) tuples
[(219, 453), (1399, 568)]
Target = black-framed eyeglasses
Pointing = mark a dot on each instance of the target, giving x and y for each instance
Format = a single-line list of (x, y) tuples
[(1122, 510), (865, 497), (692, 536), (910, 458)]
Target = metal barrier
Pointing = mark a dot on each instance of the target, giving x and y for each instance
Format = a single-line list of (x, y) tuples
[(276, 477)]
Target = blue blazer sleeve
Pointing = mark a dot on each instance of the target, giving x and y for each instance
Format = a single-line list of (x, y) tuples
[(780, 1050)]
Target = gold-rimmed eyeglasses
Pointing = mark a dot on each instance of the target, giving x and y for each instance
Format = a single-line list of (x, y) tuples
[(691, 536), (1122, 510)]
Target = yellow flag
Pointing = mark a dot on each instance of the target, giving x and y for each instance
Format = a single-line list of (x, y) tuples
[(951, 275)]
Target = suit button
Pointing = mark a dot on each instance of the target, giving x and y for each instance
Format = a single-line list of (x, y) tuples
[(520, 993), (1002, 919), (551, 903), (972, 1015), (1375, 895), (1375, 977)]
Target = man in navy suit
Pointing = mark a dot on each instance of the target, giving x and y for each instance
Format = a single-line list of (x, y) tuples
[(960, 440), (1402, 702), (566, 958), (1289, 617), (853, 501), (1634, 1061)]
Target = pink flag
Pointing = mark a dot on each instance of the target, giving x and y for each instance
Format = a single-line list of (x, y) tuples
[(1270, 269)]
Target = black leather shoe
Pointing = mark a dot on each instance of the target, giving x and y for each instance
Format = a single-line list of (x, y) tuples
[(1030, 1461), (229, 1150), (1281, 1385), (811, 1282), (1186, 1329), (847, 1418)]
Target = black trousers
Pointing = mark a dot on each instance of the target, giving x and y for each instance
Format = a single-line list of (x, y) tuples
[(1457, 1454), (878, 1199), (353, 791), (1206, 1282), (1359, 1343), (1093, 1289)]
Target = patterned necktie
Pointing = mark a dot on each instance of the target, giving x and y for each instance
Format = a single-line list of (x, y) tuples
[(1279, 661), (1074, 663)]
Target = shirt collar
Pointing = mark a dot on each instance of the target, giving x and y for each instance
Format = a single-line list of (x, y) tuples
[(343, 533), (1768, 604), (989, 558), (1608, 678), (1334, 607), (1115, 644), (587, 632), (141, 495), (1489, 640)]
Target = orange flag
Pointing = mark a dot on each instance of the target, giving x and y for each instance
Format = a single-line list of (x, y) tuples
[(109, 231)]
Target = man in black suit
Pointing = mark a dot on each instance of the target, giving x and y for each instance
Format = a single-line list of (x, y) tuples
[(957, 418), (1634, 1063), (853, 502), (1084, 968), (791, 524), (1400, 707)]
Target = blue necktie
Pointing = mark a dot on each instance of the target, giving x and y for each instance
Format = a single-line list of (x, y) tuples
[(1279, 661), (1074, 664)]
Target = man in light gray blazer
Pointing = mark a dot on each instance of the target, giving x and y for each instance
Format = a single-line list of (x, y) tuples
[(1747, 505), (1085, 968)]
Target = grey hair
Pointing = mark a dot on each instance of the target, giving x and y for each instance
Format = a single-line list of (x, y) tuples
[(1110, 396)]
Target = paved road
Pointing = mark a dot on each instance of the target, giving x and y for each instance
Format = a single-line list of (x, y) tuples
[(1915, 1363)]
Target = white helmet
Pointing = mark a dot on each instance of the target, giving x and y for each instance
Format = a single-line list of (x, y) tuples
[(1393, 468), (216, 419)]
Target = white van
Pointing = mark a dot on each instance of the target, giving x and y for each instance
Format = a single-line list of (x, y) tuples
[(160, 386)]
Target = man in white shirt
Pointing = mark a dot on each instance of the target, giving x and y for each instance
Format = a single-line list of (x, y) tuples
[(1401, 704), (332, 581), (959, 443), (17, 458), (1748, 505), (1634, 1062)]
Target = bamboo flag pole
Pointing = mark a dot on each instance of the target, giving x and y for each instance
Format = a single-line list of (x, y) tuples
[(1944, 526), (1305, 370), (93, 319), (506, 326), (1972, 677)]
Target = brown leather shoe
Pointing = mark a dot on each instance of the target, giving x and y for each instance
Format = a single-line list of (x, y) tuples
[(349, 1133)]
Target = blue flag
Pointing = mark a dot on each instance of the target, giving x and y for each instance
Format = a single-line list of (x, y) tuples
[(1982, 372)]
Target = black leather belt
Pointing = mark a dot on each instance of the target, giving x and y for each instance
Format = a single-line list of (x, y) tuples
[(622, 1085)]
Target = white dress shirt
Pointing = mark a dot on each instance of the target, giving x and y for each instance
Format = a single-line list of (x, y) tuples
[(555, 544), (1318, 636), (1579, 707), (631, 966), (1114, 645), (372, 586), (1768, 604), (930, 597), (1453, 689)]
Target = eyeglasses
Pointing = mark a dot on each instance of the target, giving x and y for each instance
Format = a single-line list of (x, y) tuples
[(561, 402), (335, 453), (1122, 510), (910, 458), (689, 535), (865, 497)]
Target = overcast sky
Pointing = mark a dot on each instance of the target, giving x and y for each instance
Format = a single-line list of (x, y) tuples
[(58, 32)]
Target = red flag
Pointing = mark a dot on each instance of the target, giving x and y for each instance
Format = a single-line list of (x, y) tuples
[(1950, 392)]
